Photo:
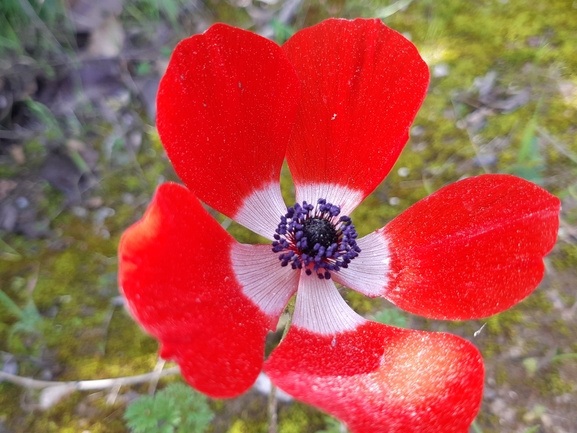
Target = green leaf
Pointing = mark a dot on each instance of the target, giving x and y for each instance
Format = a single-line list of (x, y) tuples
[(530, 164), (175, 409), (564, 356), (282, 32)]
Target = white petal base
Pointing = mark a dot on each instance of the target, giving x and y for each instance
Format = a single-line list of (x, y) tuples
[(369, 272), (347, 199), (263, 279), (261, 211), (321, 309)]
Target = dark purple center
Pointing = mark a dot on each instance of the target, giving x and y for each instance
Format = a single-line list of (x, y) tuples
[(316, 239)]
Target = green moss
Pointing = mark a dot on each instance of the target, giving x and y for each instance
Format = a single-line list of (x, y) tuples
[(241, 426), (360, 303), (8, 171), (563, 328), (491, 348), (490, 422), (8, 395), (76, 413), (502, 375), (537, 304), (299, 418), (296, 424), (552, 384), (504, 323), (567, 259), (34, 151)]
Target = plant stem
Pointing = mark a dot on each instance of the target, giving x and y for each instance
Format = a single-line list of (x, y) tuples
[(272, 411)]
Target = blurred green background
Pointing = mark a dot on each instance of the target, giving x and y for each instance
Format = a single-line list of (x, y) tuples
[(80, 159)]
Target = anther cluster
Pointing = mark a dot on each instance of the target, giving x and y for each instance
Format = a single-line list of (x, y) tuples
[(316, 238)]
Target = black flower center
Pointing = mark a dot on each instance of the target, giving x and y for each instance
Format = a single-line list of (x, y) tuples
[(319, 231), (316, 239)]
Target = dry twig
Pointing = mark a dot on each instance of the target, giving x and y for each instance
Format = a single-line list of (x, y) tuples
[(84, 385)]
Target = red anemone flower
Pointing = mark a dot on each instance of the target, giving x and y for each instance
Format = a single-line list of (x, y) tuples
[(337, 101)]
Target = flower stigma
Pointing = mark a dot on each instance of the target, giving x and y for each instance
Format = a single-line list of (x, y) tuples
[(316, 238)]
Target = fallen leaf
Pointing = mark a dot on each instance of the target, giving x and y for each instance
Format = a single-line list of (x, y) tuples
[(53, 394)]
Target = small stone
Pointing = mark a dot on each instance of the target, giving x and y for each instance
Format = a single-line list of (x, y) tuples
[(417, 131), (440, 70), (404, 171), (22, 202)]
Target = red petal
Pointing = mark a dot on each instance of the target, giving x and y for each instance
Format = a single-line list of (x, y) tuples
[(362, 84), (177, 276), (472, 249), (380, 379), (226, 108)]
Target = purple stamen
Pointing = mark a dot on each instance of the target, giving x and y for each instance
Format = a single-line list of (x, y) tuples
[(315, 238)]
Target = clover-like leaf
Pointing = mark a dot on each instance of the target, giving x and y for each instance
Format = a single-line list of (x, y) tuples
[(175, 409)]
